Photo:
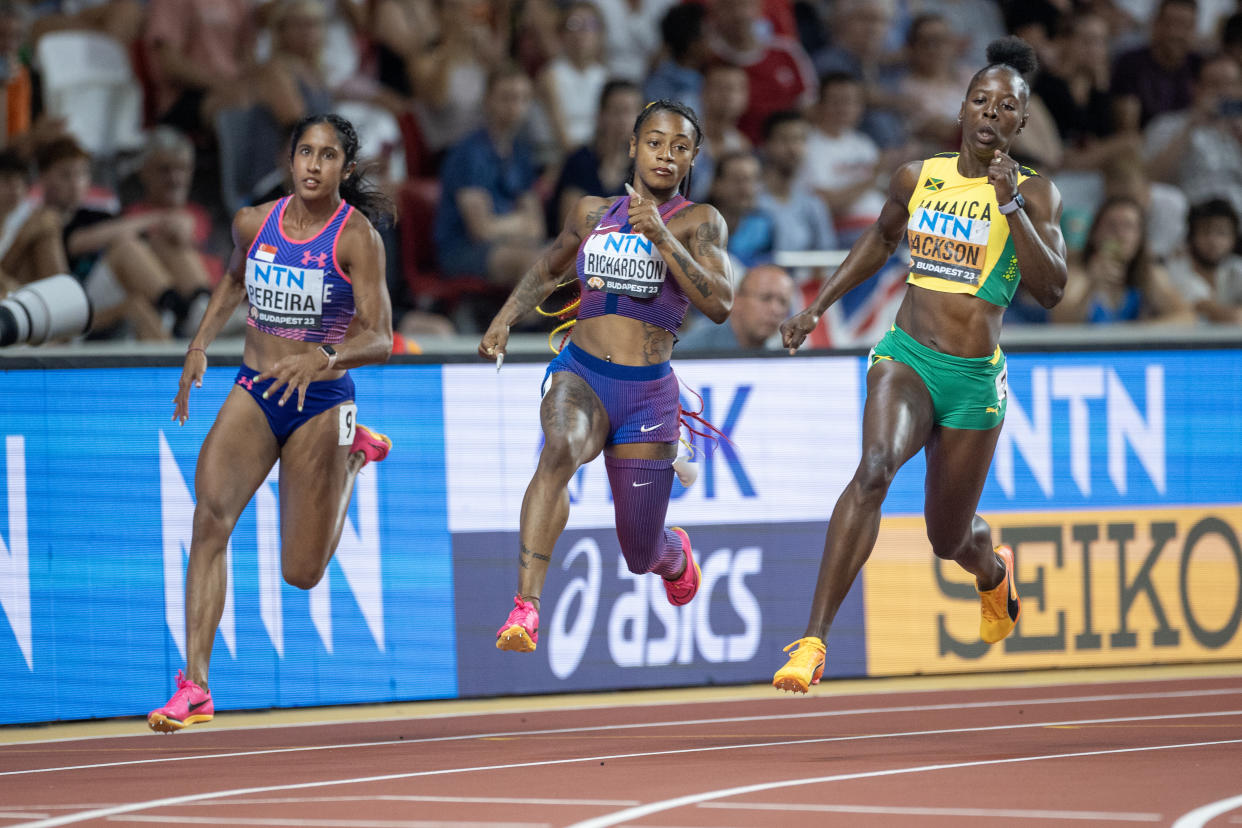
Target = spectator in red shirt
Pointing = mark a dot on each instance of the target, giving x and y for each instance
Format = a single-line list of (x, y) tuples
[(780, 73)]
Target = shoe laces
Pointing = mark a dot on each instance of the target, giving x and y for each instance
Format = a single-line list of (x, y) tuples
[(184, 687), (524, 613), (809, 647), (995, 601)]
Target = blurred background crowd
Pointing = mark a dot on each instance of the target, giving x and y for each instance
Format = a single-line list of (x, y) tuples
[(134, 129)]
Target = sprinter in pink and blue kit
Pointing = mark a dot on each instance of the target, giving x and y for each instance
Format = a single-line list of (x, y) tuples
[(641, 260), (311, 267)]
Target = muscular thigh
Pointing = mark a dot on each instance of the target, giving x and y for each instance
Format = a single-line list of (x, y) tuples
[(573, 418), (897, 414), (236, 456), (312, 475)]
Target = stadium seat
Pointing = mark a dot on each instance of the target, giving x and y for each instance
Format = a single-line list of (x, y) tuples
[(88, 80), (418, 156), (416, 205)]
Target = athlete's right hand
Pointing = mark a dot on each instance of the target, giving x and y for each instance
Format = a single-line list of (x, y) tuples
[(796, 328), (495, 340), (191, 375)]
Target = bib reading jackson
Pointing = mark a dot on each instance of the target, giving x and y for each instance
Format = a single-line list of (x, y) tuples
[(623, 263), (959, 241)]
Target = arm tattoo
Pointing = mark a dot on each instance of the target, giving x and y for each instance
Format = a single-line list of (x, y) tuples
[(593, 217), (708, 237), (694, 273), (530, 290)]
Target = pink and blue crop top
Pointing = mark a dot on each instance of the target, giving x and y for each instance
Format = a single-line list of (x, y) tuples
[(297, 289), (622, 272)]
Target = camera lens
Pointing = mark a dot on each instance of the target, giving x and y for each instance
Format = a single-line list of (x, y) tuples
[(47, 309)]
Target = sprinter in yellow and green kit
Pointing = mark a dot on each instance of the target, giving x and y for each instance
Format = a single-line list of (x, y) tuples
[(976, 222)]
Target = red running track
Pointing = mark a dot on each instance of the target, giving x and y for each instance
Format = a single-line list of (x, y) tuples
[(1155, 752)]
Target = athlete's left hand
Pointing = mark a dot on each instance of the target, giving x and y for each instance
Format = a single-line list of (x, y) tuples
[(1003, 176), (644, 217), (294, 373)]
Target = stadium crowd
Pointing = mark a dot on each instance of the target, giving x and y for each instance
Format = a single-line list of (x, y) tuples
[(485, 119)]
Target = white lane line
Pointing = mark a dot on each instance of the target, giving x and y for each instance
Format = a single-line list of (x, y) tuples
[(469, 800), (142, 733), (25, 815), (301, 800), (1202, 815), (618, 817), (329, 823), (987, 813), (866, 711), (101, 813)]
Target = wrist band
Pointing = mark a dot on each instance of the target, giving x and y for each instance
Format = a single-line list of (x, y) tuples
[(195, 348), (1014, 205)]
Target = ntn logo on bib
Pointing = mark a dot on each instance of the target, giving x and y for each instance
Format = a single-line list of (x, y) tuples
[(624, 263), (946, 246), (288, 296)]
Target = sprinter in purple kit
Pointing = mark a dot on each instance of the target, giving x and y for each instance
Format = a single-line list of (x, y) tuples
[(641, 260)]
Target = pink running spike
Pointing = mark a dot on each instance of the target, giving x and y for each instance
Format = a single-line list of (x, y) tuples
[(682, 590), (372, 444), (520, 632), (191, 704)]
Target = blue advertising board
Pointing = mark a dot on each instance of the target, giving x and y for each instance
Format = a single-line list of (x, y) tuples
[(96, 501), (95, 527)]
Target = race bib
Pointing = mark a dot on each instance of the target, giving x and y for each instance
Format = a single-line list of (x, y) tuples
[(285, 297), (623, 263), (949, 247), (347, 424)]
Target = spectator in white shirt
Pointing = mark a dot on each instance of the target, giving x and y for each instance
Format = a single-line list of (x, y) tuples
[(802, 222), (1209, 274), (841, 162), (1200, 148)]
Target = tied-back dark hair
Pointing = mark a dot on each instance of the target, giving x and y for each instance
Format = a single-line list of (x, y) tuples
[(356, 189), (677, 108), (1012, 53)]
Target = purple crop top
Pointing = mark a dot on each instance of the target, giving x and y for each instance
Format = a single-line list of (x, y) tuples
[(296, 287), (622, 272)]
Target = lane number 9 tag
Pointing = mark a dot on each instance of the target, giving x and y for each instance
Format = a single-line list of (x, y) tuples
[(348, 423)]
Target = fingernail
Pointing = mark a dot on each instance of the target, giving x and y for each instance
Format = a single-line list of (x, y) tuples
[(265, 395), (299, 409)]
